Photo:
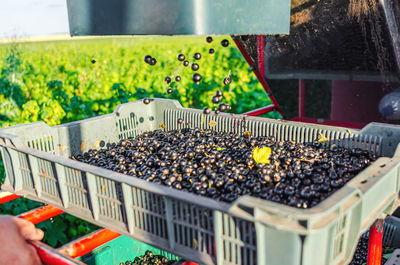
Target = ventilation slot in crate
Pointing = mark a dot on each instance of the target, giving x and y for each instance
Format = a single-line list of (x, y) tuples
[(77, 189), (127, 126), (194, 227), (8, 166), (44, 143), (27, 181), (110, 199), (48, 181), (339, 234), (149, 213), (281, 131), (239, 241)]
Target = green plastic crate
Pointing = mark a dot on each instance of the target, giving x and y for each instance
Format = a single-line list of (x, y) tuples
[(120, 250), (246, 232)]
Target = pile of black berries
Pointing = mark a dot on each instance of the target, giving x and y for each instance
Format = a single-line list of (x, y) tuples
[(221, 165), (148, 259), (361, 254)]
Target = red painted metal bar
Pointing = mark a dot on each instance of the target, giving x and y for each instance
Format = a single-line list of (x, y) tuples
[(41, 214), (259, 76), (375, 243), (6, 196), (88, 243), (50, 256), (260, 55), (302, 96), (260, 111)]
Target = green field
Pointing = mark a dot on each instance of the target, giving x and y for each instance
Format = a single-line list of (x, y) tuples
[(56, 82)]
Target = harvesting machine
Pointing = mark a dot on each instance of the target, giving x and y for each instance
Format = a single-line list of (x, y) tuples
[(353, 44)]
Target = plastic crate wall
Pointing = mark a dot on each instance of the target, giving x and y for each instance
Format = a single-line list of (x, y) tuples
[(250, 231)]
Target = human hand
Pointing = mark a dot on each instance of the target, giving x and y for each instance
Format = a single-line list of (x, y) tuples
[(14, 233)]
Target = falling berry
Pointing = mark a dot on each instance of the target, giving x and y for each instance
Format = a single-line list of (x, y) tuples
[(228, 107), (93, 61), (181, 57), (146, 101), (206, 110), (195, 66), (222, 107), (227, 80), (225, 43), (196, 78), (215, 99), (180, 121), (167, 80), (219, 93), (197, 56), (209, 39), (211, 51), (147, 59), (177, 78), (169, 90), (186, 63), (153, 61)]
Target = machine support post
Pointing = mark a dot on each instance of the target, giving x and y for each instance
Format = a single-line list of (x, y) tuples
[(302, 96), (375, 243), (260, 55), (257, 70)]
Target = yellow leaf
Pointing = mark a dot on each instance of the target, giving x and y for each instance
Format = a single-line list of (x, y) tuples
[(62, 147), (322, 138), (97, 144), (83, 146), (261, 155), (212, 123), (162, 125), (247, 133)]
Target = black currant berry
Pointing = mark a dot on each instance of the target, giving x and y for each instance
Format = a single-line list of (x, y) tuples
[(227, 80), (215, 99), (146, 101), (186, 63), (195, 66), (216, 111), (206, 110), (197, 56), (219, 93), (169, 90), (222, 107), (147, 59), (180, 121), (153, 61), (225, 43), (211, 51), (196, 78), (177, 78), (181, 57), (209, 39), (93, 61), (167, 79)]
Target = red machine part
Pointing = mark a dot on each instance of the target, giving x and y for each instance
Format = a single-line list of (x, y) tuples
[(50, 256), (375, 243), (88, 243), (41, 214), (6, 196), (259, 71)]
